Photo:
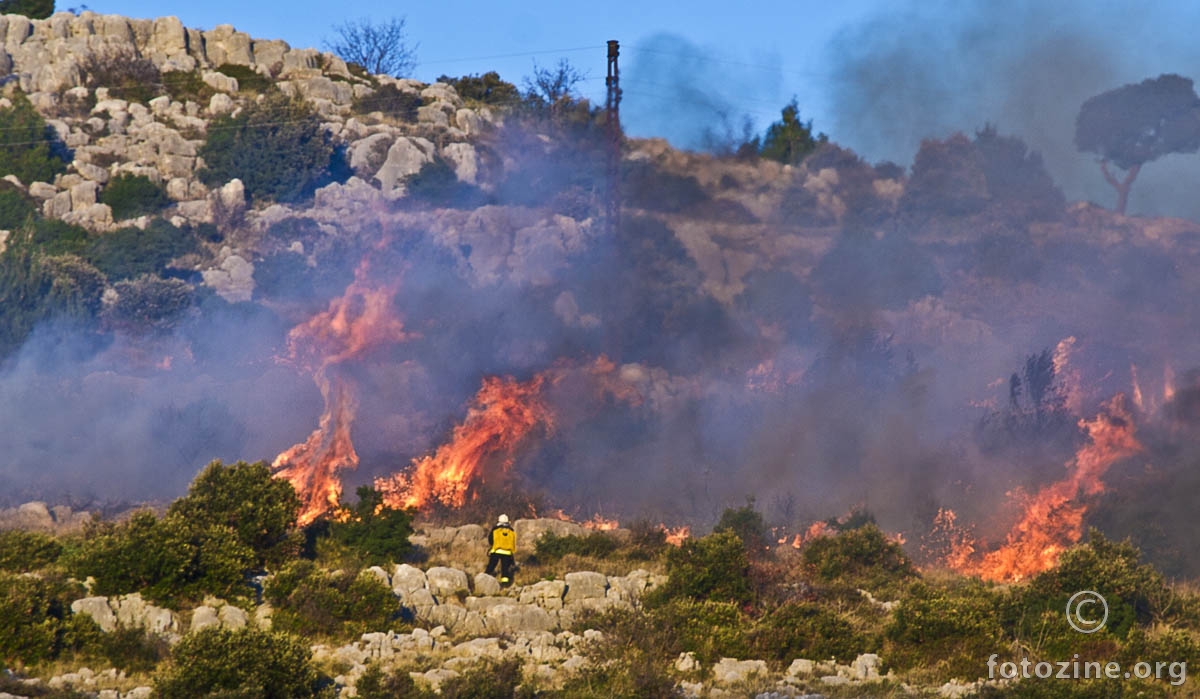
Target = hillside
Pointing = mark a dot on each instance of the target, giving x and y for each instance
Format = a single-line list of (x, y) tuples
[(915, 404)]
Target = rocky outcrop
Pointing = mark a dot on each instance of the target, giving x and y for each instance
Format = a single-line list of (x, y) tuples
[(37, 516), (130, 612)]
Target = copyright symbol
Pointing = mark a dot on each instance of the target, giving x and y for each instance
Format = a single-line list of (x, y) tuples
[(1087, 611)]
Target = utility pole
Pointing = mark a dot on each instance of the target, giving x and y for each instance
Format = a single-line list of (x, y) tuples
[(612, 208)]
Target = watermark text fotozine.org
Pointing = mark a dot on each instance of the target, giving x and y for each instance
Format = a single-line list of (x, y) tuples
[(1087, 612), (1076, 669)]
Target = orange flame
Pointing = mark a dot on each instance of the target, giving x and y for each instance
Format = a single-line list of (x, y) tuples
[(353, 324), (502, 416), (600, 524), (676, 535), (1053, 518)]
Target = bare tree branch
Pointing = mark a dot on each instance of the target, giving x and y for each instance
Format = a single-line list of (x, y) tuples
[(380, 48), (553, 84)]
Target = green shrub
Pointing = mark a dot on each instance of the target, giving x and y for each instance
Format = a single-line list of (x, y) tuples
[(949, 632), (169, 560), (131, 252), (33, 9), (59, 237), (183, 85), (38, 624), (130, 649), (22, 551), (647, 540), (711, 630), (747, 523), (249, 80), (552, 547), (378, 535), (27, 143), (713, 567), (126, 74), (390, 100), (488, 679), (629, 661), (806, 630), (260, 508), (275, 146), (149, 302), (131, 196), (789, 140), (246, 663), (948, 177), (375, 684), (15, 208), (484, 89), (437, 184), (309, 600), (35, 288), (863, 557)]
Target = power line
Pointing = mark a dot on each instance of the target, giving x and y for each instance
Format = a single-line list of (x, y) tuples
[(512, 55)]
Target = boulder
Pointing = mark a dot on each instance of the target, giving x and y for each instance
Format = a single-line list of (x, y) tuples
[(233, 280), (407, 579), (547, 594), (866, 667), (486, 585), (686, 662), (801, 667), (518, 618), (734, 671), (530, 530), (232, 617), (220, 103), (381, 574), (98, 609), (368, 154), (432, 114), (219, 81), (446, 583), (203, 617), (404, 158), (134, 612), (463, 159), (467, 121), (224, 44), (585, 585)]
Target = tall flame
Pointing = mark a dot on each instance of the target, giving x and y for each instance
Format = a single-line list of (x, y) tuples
[(356, 322), (1053, 518), (483, 447)]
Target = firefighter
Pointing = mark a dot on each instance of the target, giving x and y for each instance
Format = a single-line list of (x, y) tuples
[(503, 541)]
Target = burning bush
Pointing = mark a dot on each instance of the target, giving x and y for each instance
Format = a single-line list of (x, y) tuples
[(218, 662), (308, 600)]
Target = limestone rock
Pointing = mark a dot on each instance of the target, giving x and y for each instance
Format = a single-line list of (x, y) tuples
[(219, 81), (547, 594), (221, 103), (801, 667), (463, 158), (486, 585), (686, 662), (530, 530), (203, 617), (232, 617), (381, 574), (134, 612), (446, 582), (42, 190), (866, 667), (233, 280), (733, 671), (368, 154), (97, 608), (406, 579), (585, 585), (404, 158), (517, 618)]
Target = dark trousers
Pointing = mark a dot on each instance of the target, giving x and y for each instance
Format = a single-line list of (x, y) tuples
[(506, 564)]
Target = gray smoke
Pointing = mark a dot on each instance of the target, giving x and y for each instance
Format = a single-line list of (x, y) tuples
[(930, 69)]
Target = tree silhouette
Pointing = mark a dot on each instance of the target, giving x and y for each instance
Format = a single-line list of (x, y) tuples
[(1137, 123)]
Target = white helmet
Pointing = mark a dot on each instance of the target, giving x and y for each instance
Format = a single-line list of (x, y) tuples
[(503, 519)]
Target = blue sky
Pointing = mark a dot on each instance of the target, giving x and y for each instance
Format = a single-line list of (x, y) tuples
[(777, 47), (878, 76)]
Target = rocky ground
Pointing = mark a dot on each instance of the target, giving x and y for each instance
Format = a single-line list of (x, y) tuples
[(457, 616)]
